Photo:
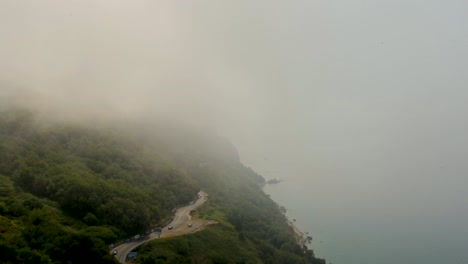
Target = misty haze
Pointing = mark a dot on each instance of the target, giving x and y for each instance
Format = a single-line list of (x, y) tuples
[(115, 113)]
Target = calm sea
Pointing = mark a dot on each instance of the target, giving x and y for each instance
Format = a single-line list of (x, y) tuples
[(356, 229)]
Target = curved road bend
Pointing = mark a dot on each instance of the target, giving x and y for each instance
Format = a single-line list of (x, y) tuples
[(181, 219)]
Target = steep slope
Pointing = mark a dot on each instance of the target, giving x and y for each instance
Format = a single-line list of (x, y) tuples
[(66, 187), (68, 190), (252, 229)]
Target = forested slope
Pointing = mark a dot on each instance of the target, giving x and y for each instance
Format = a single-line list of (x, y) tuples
[(66, 187), (68, 190), (252, 229)]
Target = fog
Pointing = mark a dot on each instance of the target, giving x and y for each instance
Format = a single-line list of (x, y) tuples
[(187, 61), (364, 100)]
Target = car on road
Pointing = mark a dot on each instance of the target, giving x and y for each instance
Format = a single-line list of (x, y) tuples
[(189, 225), (115, 252), (171, 227)]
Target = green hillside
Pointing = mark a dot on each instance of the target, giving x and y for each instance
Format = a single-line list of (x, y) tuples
[(67, 191)]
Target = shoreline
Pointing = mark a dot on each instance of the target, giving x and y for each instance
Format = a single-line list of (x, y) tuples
[(300, 236), (303, 238)]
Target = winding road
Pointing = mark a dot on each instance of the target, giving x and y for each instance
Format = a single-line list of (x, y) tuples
[(179, 226)]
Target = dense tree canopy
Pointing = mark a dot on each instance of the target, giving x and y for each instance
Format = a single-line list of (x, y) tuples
[(67, 191), (251, 227), (67, 188)]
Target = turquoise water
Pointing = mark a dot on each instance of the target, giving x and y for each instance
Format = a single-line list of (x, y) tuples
[(370, 232)]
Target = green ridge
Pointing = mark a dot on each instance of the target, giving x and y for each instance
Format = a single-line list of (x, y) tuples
[(67, 191)]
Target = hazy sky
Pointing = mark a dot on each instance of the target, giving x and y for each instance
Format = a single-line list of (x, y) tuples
[(201, 60), (302, 76), (365, 98)]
